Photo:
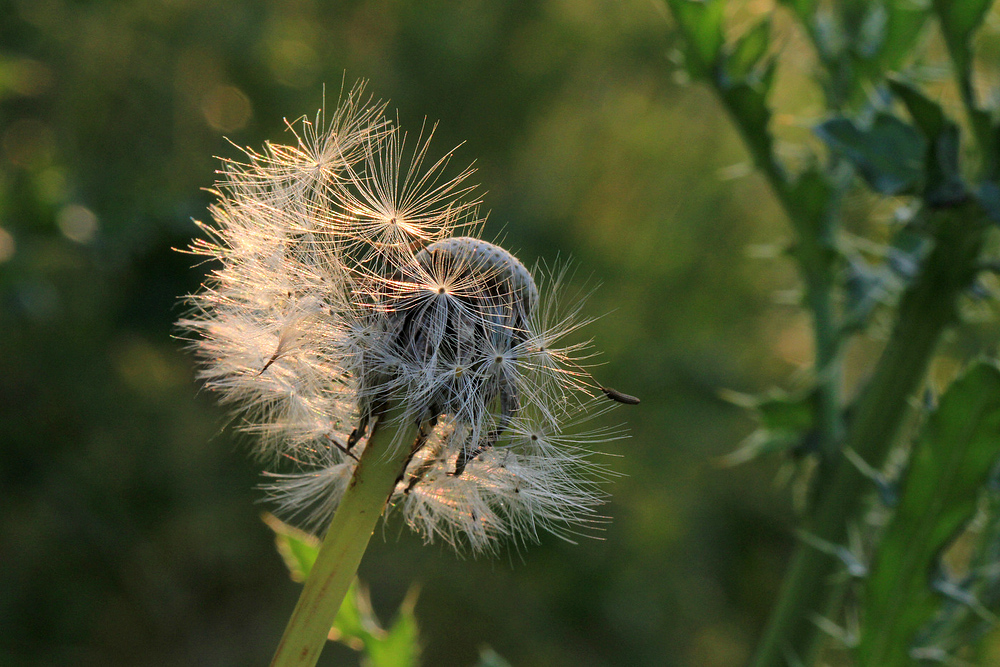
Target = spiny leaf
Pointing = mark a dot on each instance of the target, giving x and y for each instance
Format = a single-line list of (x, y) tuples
[(959, 19), (785, 422), (903, 23), (888, 155), (701, 24), (748, 50), (943, 184), (926, 114), (949, 465)]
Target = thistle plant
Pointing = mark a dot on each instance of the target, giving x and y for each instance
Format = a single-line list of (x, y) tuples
[(897, 561), (386, 357)]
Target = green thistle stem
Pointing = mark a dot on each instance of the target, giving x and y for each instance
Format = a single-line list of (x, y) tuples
[(927, 309), (381, 463)]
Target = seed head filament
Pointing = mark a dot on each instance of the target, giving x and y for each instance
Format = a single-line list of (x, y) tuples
[(460, 304), (349, 285)]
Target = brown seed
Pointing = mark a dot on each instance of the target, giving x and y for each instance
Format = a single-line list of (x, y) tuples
[(619, 397)]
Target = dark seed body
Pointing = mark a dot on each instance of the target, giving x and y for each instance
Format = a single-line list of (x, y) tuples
[(619, 397)]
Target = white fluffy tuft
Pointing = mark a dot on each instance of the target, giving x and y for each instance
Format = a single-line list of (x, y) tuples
[(349, 277)]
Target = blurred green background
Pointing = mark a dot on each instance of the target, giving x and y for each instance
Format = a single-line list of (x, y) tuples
[(130, 529)]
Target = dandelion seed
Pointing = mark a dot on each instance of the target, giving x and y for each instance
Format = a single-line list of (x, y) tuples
[(349, 278)]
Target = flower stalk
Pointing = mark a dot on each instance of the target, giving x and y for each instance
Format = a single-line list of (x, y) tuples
[(379, 467)]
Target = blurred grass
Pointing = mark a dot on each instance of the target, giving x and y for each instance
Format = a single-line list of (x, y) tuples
[(128, 533)]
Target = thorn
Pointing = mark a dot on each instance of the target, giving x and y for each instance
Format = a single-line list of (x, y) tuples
[(854, 566), (846, 636), (887, 491)]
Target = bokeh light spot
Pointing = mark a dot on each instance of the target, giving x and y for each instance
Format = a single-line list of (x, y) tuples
[(77, 223), (226, 108), (7, 245), (24, 77), (293, 62)]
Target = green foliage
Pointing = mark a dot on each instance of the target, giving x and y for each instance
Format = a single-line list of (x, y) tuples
[(785, 422), (903, 24), (970, 593), (701, 23), (949, 464), (959, 20), (943, 182), (888, 154), (297, 548), (743, 74), (918, 276), (749, 50), (356, 625)]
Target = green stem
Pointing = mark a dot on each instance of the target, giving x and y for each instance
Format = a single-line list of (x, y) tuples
[(926, 310), (346, 540), (979, 120), (815, 243)]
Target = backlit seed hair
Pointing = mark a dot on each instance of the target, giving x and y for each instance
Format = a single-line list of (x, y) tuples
[(348, 277)]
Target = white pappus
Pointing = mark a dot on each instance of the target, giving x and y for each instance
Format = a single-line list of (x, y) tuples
[(348, 278)]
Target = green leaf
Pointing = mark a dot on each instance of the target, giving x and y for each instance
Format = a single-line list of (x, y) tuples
[(905, 21), (400, 646), (988, 195), (960, 18), (803, 8), (943, 178), (297, 548), (749, 50), (880, 36), (926, 114), (700, 21), (888, 155), (785, 422), (355, 625), (950, 463), (945, 186)]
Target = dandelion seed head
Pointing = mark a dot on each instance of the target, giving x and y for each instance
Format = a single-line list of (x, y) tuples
[(347, 275)]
